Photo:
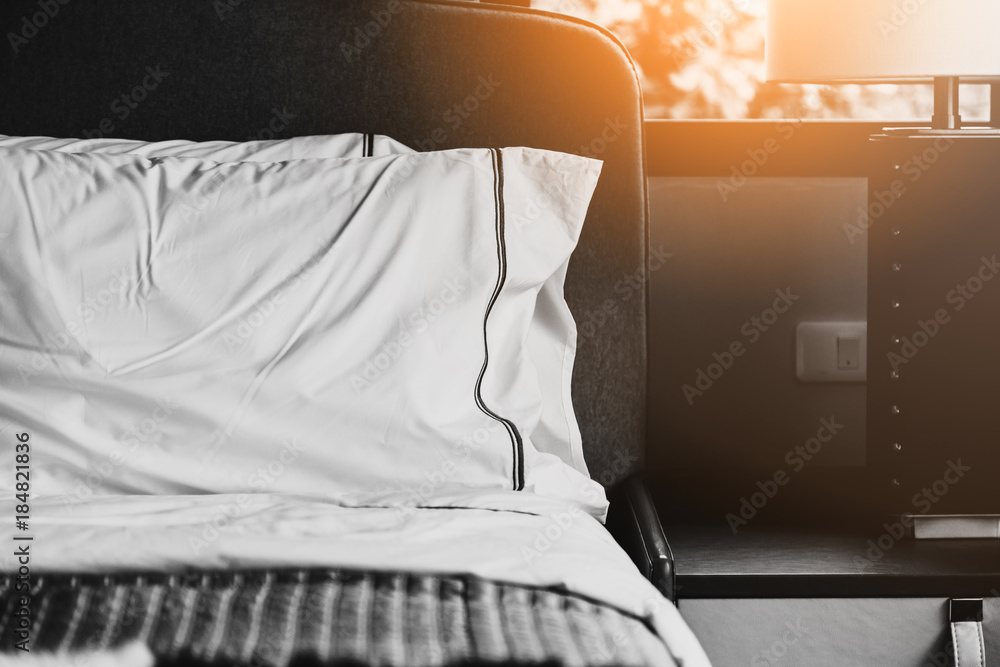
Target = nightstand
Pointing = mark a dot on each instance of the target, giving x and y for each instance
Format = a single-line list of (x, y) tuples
[(792, 592), (774, 594)]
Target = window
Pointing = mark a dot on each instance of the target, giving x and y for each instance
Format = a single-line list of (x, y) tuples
[(705, 59)]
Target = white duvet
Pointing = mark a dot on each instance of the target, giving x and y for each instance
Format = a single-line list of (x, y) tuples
[(505, 536)]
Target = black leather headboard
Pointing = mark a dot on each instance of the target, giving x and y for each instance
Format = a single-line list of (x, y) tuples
[(431, 74)]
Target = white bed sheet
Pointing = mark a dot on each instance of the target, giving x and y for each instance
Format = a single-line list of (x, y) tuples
[(505, 536)]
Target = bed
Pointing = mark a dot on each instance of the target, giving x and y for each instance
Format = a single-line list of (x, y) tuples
[(323, 338)]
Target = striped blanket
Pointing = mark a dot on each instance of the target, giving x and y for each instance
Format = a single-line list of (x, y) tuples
[(326, 617)]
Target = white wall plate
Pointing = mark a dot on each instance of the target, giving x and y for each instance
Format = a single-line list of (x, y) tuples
[(831, 351)]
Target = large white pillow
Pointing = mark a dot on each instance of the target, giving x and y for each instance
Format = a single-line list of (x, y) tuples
[(351, 144), (552, 334), (349, 327)]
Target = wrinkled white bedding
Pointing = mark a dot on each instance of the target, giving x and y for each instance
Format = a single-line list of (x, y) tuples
[(506, 536), (365, 320)]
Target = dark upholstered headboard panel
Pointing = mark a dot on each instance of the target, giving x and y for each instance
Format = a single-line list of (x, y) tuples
[(431, 74)]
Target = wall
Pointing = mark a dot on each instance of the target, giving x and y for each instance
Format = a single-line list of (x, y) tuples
[(735, 247)]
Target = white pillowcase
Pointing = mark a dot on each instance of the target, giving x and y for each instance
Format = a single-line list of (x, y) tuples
[(351, 144), (552, 334), (311, 326)]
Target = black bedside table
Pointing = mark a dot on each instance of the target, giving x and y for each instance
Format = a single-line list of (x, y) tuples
[(780, 594)]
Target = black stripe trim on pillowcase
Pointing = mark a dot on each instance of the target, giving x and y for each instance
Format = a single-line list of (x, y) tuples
[(516, 443), (371, 145)]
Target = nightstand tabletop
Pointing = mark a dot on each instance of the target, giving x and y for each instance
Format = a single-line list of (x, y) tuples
[(781, 561)]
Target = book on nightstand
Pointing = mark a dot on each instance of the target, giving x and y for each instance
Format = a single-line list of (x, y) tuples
[(953, 526)]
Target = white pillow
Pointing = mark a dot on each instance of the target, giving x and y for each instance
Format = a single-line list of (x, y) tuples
[(346, 145), (552, 335), (312, 326)]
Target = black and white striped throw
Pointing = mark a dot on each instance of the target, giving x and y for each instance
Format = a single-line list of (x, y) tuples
[(327, 617)]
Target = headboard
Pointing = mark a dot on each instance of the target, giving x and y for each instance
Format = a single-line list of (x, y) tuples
[(433, 75)]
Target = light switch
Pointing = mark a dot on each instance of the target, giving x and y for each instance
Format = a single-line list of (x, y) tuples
[(848, 353), (831, 351)]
